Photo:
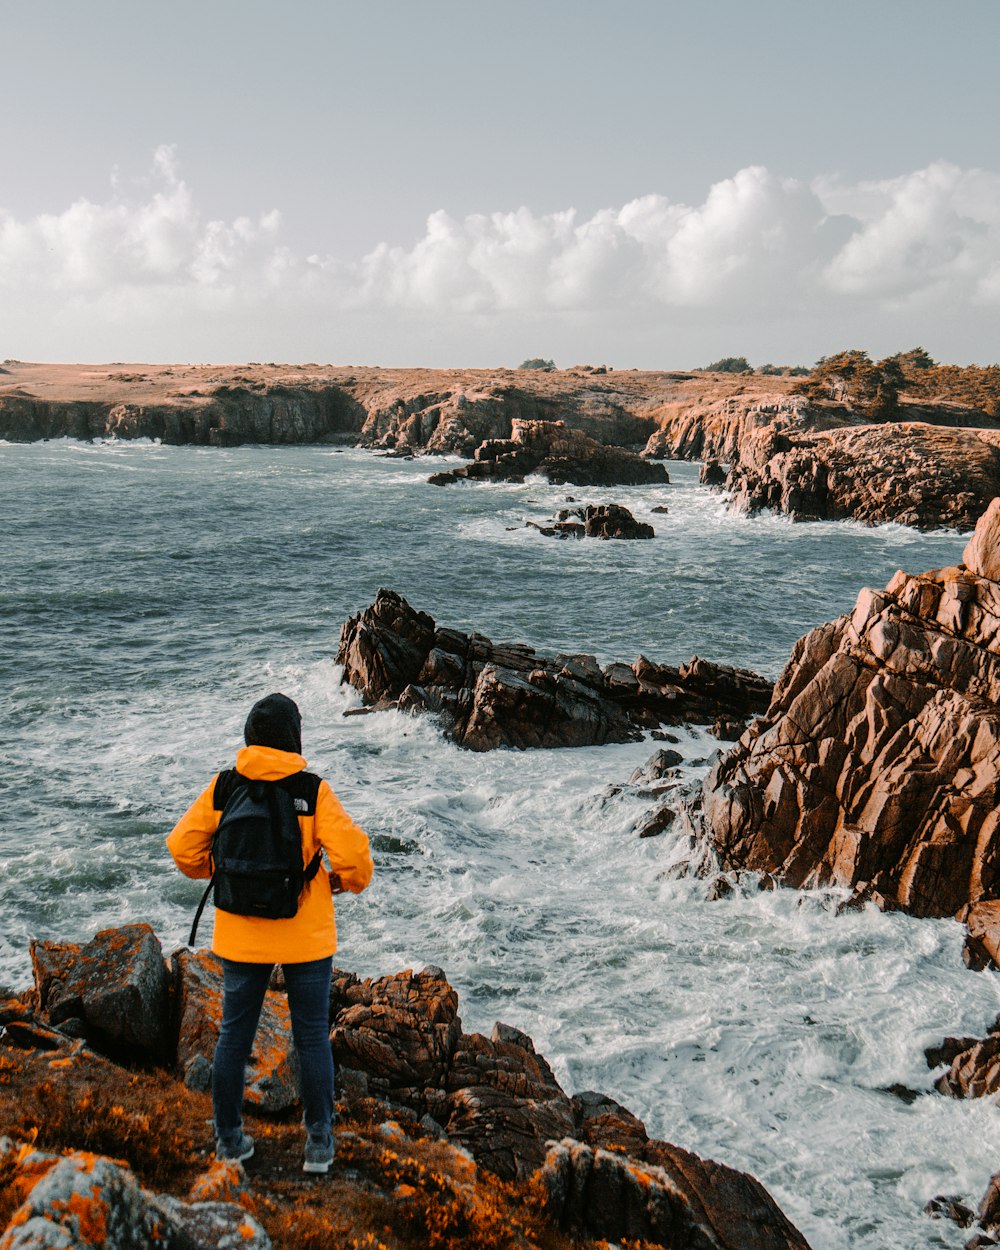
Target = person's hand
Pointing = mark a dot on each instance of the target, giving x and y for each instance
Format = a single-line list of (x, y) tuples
[(336, 885)]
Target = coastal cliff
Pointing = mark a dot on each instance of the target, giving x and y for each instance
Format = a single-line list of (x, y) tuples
[(876, 765)]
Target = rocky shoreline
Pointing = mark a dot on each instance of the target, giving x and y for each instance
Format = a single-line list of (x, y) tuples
[(929, 463), (877, 765), (466, 1138)]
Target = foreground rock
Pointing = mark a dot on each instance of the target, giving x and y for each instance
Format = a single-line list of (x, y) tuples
[(554, 451), (605, 520), (402, 1057), (877, 765), (86, 1201), (506, 695)]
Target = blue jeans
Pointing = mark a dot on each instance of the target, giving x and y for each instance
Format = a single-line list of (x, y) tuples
[(244, 986)]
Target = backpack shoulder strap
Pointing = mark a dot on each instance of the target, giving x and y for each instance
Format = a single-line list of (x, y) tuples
[(225, 784)]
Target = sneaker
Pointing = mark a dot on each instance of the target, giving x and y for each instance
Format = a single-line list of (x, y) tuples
[(236, 1148), (319, 1155)]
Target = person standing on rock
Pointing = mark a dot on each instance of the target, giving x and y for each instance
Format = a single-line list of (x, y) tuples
[(250, 945)]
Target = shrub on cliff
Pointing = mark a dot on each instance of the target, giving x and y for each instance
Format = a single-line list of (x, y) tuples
[(729, 364), (853, 378), (537, 362)]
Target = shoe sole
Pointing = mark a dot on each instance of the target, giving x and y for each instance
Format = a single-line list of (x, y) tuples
[(317, 1169)]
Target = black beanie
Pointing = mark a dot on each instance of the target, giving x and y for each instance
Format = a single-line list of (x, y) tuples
[(274, 721)]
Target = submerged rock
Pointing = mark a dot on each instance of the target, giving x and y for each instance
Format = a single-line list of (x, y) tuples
[(553, 450), (876, 765), (492, 695)]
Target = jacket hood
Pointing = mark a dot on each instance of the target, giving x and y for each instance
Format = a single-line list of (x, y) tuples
[(267, 763), (274, 721)]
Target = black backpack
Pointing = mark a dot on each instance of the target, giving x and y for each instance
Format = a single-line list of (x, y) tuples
[(256, 856)]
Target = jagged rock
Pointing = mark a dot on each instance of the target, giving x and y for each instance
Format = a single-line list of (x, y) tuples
[(400, 1038), (504, 1102), (664, 1195), (910, 472), (975, 1071), (116, 984), (711, 473), (401, 1032), (982, 940), (553, 450), (272, 1073), (608, 520), (601, 1121), (982, 553), (950, 1207), (505, 695), (660, 764), (989, 1206), (878, 760), (948, 1050)]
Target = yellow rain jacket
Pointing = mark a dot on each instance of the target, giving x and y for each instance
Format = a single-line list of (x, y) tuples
[(312, 932)]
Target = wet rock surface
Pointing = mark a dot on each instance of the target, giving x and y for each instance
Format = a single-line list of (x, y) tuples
[(876, 765), (553, 450), (492, 695), (607, 520)]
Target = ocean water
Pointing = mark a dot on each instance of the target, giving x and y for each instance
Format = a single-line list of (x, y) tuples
[(149, 594)]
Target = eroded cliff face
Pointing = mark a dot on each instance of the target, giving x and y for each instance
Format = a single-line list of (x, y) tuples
[(917, 474), (876, 765)]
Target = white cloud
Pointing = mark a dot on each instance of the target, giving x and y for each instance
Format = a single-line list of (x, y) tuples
[(758, 247)]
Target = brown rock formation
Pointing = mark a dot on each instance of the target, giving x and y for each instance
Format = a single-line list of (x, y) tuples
[(877, 761), (397, 1039), (604, 520), (505, 695), (553, 450), (415, 410), (665, 1195), (917, 474)]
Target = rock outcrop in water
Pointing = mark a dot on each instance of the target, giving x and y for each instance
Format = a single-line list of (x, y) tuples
[(554, 451), (418, 1098), (505, 695), (876, 765), (604, 520)]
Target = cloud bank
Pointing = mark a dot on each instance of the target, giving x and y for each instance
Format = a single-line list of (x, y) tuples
[(759, 246)]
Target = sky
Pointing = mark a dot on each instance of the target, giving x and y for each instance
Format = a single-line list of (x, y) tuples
[(642, 183)]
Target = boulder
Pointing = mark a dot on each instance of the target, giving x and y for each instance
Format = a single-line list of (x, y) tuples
[(272, 1073), (504, 1102), (554, 451), (84, 1201), (982, 939), (401, 1032), (877, 765), (116, 986), (490, 695), (662, 1195)]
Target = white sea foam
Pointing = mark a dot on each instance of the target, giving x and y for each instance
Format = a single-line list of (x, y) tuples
[(145, 611)]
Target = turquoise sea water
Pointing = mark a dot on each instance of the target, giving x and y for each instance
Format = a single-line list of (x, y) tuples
[(148, 595)]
